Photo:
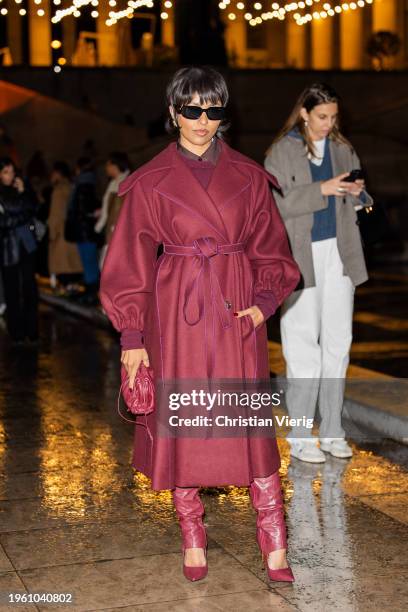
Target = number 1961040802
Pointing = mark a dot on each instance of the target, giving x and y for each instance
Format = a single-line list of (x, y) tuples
[(18, 598)]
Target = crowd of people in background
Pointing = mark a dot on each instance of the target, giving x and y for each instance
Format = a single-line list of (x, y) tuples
[(55, 223)]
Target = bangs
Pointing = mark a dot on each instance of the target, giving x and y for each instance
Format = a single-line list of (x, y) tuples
[(206, 89), (204, 81)]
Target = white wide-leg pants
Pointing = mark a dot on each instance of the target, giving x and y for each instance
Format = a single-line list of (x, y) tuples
[(316, 333)]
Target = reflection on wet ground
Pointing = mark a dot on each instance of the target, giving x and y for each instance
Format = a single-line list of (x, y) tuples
[(76, 518)]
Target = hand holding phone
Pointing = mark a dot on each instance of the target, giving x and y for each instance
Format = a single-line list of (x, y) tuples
[(355, 175), (19, 184)]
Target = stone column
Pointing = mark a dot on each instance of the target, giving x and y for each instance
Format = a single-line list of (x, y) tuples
[(108, 52), (351, 40), (385, 15), (235, 38), (167, 25), (295, 44), (14, 37), (68, 38), (322, 44), (39, 34)]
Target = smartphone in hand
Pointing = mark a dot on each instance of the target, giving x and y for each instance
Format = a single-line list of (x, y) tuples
[(354, 175)]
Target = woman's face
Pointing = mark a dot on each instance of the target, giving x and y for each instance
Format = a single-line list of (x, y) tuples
[(321, 119), (112, 170), (7, 175), (199, 131)]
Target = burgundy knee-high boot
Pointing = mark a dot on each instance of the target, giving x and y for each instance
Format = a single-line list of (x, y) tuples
[(266, 497), (190, 510)]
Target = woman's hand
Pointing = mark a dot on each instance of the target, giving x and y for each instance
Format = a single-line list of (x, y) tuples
[(19, 184), (336, 186), (255, 314), (132, 360), (357, 187)]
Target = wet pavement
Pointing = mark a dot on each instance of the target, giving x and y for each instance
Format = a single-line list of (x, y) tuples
[(75, 517)]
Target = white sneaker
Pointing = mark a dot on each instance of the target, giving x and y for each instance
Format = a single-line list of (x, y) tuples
[(306, 449), (2, 309), (337, 447)]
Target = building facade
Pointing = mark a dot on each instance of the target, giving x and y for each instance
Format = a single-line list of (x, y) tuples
[(310, 34)]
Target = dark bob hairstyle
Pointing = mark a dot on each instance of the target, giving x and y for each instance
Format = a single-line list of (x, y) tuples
[(209, 84), (62, 168), (119, 159), (7, 161)]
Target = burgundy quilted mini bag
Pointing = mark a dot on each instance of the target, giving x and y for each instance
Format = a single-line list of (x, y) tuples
[(141, 399)]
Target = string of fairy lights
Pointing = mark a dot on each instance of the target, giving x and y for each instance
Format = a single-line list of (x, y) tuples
[(255, 13), (302, 12), (74, 10)]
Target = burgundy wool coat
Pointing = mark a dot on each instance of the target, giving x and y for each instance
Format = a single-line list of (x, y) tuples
[(222, 247)]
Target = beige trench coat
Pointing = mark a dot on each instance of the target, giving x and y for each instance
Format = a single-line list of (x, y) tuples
[(63, 256), (301, 197)]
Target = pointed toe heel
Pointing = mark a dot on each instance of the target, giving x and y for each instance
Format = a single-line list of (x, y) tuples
[(190, 511), (195, 573), (266, 496), (284, 574), (280, 575)]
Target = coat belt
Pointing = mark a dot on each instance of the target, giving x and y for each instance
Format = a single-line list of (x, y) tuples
[(205, 281)]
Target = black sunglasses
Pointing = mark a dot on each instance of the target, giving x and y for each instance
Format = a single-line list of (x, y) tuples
[(214, 113)]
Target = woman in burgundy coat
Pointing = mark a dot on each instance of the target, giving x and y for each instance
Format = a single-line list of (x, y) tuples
[(198, 312)]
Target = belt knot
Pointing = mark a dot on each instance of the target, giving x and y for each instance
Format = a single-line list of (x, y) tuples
[(207, 246)]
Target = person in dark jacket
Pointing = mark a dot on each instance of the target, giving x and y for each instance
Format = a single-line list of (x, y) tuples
[(79, 226), (17, 254)]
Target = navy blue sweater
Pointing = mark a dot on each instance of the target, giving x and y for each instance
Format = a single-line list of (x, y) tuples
[(324, 221)]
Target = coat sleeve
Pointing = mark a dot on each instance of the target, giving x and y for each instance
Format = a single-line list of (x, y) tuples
[(293, 201), (128, 272), (19, 213), (364, 199), (275, 272)]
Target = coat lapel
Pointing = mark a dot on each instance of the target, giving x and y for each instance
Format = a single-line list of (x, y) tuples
[(180, 186), (227, 181), (338, 167)]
